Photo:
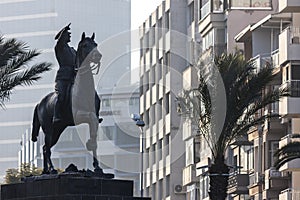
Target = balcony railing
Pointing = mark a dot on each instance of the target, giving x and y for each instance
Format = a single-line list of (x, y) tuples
[(289, 44), (238, 183), (189, 175), (293, 86), (272, 173), (261, 61), (275, 58), (209, 54), (275, 180), (288, 139), (289, 194), (255, 178)]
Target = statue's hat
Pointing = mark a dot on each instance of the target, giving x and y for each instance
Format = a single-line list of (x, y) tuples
[(66, 28)]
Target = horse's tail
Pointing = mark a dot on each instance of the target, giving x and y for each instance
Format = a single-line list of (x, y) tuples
[(35, 125)]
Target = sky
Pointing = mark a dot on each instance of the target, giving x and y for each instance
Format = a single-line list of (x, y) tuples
[(140, 11)]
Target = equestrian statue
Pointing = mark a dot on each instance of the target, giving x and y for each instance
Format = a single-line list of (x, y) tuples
[(74, 101)]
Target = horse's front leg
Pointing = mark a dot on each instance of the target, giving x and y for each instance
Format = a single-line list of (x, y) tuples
[(92, 142)]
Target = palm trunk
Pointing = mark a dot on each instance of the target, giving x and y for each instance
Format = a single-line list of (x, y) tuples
[(218, 179)]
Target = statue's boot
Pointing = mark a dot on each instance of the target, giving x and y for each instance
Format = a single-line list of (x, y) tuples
[(57, 115)]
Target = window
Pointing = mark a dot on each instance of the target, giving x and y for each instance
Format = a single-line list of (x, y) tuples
[(197, 147), (160, 189), (205, 8), (199, 10), (159, 69), (159, 110), (190, 13), (153, 152), (189, 156), (134, 101), (159, 28), (295, 81), (152, 76), (146, 158), (166, 145), (208, 40), (159, 149), (252, 4), (153, 115), (167, 20), (167, 103), (152, 36), (167, 59), (218, 5), (204, 187), (295, 72), (106, 102), (250, 159), (273, 147), (167, 185), (154, 190)]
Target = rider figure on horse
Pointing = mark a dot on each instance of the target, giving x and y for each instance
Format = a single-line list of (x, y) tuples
[(66, 57), (65, 76)]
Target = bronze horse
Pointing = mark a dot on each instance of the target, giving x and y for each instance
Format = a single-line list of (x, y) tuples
[(83, 107)]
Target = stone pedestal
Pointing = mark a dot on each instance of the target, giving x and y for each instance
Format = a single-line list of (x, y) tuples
[(70, 188)]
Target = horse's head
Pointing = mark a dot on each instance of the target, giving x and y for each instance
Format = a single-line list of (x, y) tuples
[(87, 53)]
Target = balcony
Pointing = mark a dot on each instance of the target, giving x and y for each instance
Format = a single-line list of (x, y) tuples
[(189, 130), (275, 58), (289, 106), (189, 175), (255, 183), (238, 184), (289, 194), (190, 78), (289, 45), (255, 179), (261, 61), (274, 180), (289, 6), (210, 19), (288, 139), (208, 55), (293, 165), (253, 134)]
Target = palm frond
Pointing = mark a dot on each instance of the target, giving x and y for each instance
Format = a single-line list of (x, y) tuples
[(15, 69)]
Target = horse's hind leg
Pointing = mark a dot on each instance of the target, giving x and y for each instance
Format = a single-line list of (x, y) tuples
[(46, 169), (48, 165)]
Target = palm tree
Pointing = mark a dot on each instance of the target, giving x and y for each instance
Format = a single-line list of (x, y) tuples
[(15, 69), (223, 107)]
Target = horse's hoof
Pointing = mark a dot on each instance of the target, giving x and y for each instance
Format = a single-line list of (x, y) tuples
[(101, 174), (53, 171), (45, 172), (33, 138)]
